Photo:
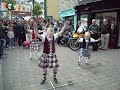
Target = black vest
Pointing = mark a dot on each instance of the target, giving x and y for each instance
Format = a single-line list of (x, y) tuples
[(85, 45)]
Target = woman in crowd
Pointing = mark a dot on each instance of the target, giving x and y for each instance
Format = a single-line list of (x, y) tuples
[(113, 36)]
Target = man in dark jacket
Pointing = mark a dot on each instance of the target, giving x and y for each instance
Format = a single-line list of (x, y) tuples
[(105, 34), (21, 33), (94, 29), (2, 38)]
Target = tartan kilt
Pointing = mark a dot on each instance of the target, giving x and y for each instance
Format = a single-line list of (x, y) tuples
[(85, 53), (48, 61), (35, 45)]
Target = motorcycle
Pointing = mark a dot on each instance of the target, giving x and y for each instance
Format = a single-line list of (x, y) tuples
[(72, 43), (64, 40)]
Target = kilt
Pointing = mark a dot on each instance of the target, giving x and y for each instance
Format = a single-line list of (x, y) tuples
[(35, 45), (48, 61), (85, 53)]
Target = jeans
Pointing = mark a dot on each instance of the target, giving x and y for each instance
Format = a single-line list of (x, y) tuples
[(11, 42), (1, 48), (7, 41)]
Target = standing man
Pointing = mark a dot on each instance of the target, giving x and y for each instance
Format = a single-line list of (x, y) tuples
[(105, 34), (21, 33), (94, 29), (19, 30), (2, 39)]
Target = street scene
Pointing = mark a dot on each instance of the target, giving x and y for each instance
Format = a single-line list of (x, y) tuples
[(59, 45)]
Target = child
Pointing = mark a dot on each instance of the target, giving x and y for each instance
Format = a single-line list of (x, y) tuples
[(10, 35), (85, 47), (28, 35), (35, 43), (49, 58)]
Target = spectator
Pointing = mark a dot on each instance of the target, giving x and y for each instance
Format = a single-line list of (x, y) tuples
[(81, 28), (2, 39), (6, 24), (78, 25), (21, 33), (15, 31), (113, 36), (11, 35), (94, 29), (105, 34)]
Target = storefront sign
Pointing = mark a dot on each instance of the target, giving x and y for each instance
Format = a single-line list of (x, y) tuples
[(69, 12), (21, 7), (17, 7)]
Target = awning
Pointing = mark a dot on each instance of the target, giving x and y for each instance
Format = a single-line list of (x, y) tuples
[(81, 2)]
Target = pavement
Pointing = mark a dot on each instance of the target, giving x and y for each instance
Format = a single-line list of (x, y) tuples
[(1, 77), (20, 73)]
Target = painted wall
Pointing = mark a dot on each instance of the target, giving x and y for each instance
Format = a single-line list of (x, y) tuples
[(53, 9)]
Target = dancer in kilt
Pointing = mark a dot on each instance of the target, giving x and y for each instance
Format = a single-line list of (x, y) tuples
[(35, 43), (49, 59), (84, 51)]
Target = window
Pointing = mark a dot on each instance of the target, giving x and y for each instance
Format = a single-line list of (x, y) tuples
[(111, 16)]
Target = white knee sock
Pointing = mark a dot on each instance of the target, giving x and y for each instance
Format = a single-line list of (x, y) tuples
[(87, 60), (30, 54), (38, 54), (80, 58)]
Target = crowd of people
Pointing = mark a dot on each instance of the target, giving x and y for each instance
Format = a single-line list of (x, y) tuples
[(107, 31), (13, 32)]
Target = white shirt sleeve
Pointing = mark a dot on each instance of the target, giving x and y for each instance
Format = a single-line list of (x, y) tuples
[(92, 40), (55, 36), (43, 37), (80, 29), (81, 40)]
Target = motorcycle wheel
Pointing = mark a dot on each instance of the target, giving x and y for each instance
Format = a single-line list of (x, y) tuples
[(74, 46)]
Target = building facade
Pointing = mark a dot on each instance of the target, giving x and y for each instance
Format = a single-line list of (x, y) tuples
[(53, 9), (100, 9), (67, 11), (21, 9)]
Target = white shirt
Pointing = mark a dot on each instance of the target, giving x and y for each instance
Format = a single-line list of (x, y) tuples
[(80, 29), (10, 34), (43, 37)]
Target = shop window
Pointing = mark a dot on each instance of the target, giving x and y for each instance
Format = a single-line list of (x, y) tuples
[(111, 16)]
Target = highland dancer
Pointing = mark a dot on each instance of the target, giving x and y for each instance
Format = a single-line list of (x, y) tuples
[(35, 43), (49, 59), (85, 51)]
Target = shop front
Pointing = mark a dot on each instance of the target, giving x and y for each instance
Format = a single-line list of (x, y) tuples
[(19, 13), (103, 9), (69, 14)]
